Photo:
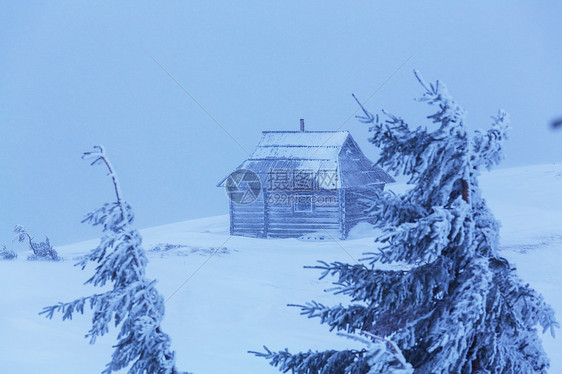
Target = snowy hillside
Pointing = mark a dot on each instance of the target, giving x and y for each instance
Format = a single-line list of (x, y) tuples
[(218, 308)]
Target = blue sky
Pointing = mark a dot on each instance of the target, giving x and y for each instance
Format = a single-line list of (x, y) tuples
[(75, 74)]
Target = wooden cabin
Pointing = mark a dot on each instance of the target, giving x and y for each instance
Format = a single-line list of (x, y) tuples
[(301, 182)]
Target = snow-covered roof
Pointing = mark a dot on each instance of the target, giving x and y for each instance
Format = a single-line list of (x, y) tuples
[(315, 151), (306, 145), (303, 138)]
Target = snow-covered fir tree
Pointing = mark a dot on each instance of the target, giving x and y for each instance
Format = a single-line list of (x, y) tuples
[(453, 305), (133, 301)]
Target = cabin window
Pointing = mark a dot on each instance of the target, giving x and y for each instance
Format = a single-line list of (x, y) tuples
[(303, 204)]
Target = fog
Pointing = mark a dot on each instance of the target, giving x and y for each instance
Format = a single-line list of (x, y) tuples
[(179, 93)]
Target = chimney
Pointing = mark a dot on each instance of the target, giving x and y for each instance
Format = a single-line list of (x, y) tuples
[(302, 125)]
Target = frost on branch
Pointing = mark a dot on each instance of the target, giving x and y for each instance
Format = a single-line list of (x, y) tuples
[(378, 356), (132, 301)]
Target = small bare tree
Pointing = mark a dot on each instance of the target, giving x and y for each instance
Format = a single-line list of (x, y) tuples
[(41, 250), (7, 254)]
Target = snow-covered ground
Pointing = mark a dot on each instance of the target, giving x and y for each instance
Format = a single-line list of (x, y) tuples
[(220, 307)]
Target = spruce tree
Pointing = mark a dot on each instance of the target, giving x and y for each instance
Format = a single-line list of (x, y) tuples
[(133, 300), (452, 304)]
